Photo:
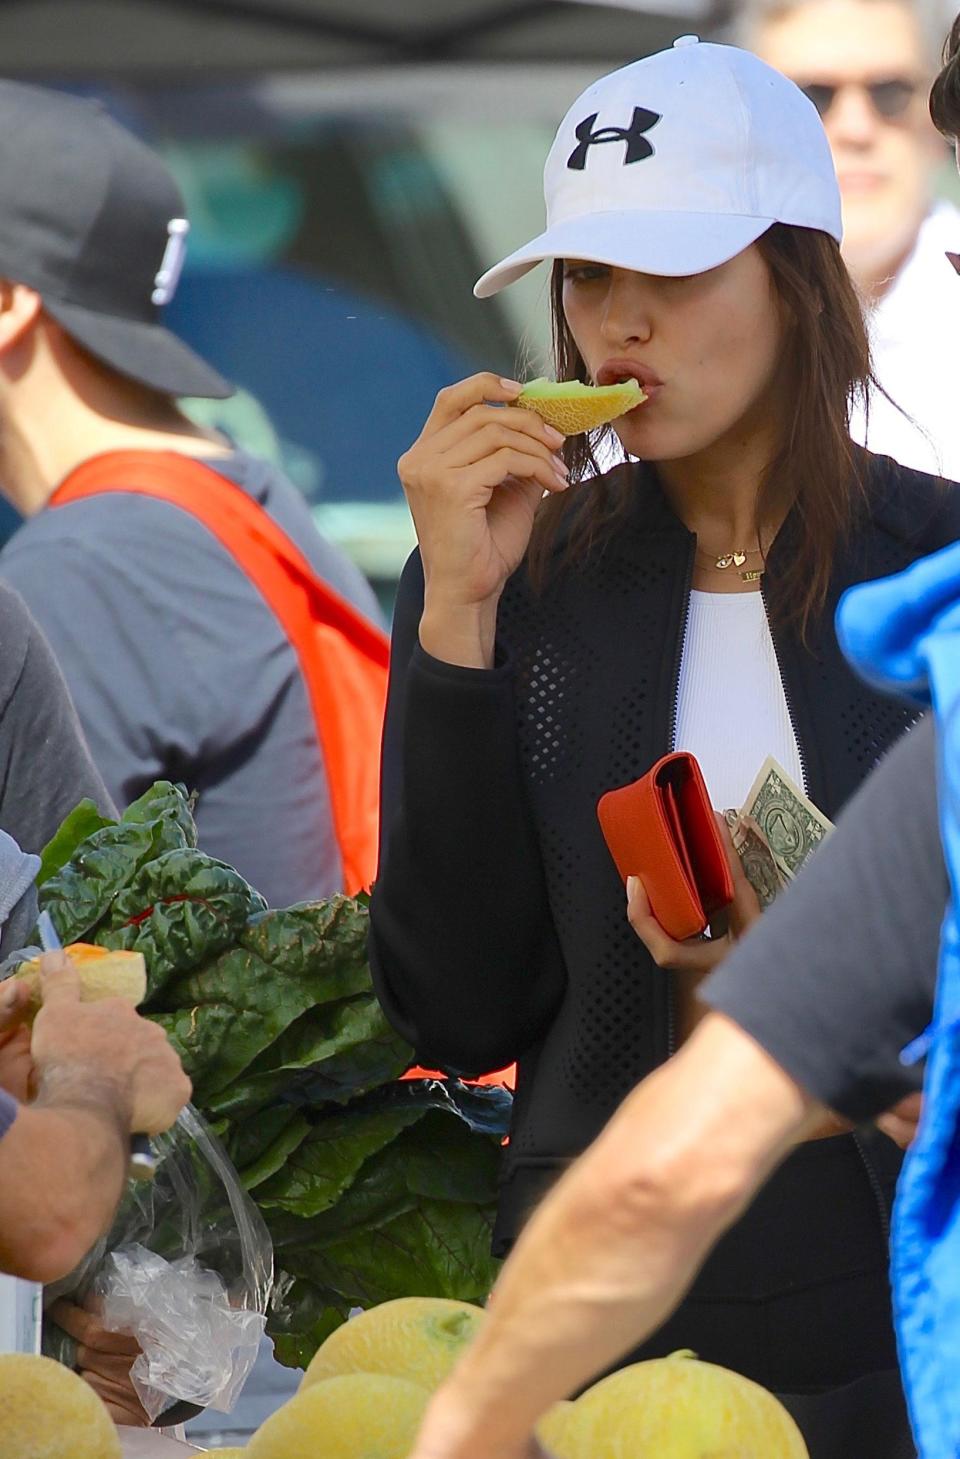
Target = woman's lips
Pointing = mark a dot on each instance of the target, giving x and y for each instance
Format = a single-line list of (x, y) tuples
[(612, 372)]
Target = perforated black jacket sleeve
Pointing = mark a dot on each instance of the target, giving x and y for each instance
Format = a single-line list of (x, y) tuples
[(462, 947)]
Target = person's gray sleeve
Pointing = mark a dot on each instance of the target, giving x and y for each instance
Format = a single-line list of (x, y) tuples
[(16, 930), (45, 766), (840, 974), (8, 1111)]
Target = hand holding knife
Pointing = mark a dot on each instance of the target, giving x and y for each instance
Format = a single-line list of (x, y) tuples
[(143, 1161)]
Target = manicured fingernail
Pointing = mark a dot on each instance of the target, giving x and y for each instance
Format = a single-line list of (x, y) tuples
[(510, 384), (561, 466), (8, 997), (631, 886), (553, 437)]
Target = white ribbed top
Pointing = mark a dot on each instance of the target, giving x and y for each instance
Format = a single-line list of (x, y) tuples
[(731, 708)]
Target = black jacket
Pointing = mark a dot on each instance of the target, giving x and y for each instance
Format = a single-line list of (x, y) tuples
[(498, 919)]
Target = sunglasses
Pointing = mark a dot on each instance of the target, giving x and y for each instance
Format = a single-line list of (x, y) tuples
[(890, 99)]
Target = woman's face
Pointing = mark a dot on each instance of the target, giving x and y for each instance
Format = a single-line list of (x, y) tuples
[(706, 349)]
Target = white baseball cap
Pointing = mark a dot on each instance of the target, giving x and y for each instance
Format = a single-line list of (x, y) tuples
[(678, 162)]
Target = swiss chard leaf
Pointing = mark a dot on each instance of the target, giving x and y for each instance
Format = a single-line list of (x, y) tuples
[(322, 944), (167, 802), (328, 1162), (82, 821), (439, 1249), (80, 895), (332, 1053), (278, 1153), (232, 1009), (182, 909), (301, 1317)]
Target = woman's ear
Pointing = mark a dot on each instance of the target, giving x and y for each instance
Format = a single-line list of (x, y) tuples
[(20, 309)]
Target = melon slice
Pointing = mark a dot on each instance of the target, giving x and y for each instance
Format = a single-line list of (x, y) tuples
[(48, 1412), (571, 407), (417, 1338), (103, 974), (356, 1416)]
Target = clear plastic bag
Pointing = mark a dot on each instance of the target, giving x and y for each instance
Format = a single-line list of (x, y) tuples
[(186, 1269)]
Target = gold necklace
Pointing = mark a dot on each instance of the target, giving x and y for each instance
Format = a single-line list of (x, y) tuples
[(735, 559)]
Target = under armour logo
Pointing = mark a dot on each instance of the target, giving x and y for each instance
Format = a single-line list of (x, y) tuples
[(637, 145)]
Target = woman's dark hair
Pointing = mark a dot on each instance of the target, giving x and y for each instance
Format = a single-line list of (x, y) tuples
[(817, 465), (945, 96)]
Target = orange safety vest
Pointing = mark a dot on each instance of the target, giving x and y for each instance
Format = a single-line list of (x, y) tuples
[(342, 655)]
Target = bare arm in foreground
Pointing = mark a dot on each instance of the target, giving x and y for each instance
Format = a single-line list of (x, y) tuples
[(612, 1250), (810, 1012), (100, 1071)]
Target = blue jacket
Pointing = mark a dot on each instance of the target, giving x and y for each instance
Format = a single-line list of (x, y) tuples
[(903, 634)]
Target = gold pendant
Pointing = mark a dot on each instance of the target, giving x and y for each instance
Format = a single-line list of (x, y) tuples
[(751, 577), (724, 561), (739, 558)]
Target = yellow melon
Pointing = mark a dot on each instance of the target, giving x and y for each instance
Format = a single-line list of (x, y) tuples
[(103, 974), (558, 1431), (571, 407), (680, 1408), (418, 1338), (356, 1416), (47, 1412)]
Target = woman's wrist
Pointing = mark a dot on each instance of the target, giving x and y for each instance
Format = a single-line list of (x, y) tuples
[(459, 633)]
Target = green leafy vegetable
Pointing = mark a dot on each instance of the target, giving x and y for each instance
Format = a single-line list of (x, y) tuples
[(371, 1188), (82, 821)]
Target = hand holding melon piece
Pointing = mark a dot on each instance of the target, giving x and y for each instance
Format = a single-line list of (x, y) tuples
[(571, 407), (357, 1416), (103, 974), (680, 1408), (417, 1338), (48, 1412)]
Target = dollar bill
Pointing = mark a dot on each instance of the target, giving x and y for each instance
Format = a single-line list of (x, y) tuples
[(759, 863), (790, 824)]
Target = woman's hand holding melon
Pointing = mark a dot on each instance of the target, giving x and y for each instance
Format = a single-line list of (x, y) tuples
[(474, 479)]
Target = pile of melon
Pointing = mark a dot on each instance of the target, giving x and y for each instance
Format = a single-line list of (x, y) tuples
[(365, 1393)]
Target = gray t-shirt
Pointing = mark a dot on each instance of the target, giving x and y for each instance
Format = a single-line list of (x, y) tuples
[(45, 766), (180, 670), (839, 976)]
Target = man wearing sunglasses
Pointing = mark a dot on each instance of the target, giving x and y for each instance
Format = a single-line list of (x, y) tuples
[(866, 65)]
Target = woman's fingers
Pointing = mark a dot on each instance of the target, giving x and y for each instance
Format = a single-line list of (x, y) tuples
[(523, 422), (745, 907), (491, 436), (695, 956), (507, 462), (454, 400)]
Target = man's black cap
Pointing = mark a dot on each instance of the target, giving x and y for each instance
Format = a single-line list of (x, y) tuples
[(91, 218)]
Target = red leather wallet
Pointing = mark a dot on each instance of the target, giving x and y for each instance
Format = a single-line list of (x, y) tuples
[(662, 829)]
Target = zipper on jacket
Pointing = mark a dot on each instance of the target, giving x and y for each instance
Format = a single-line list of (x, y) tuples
[(875, 1185), (805, 787), (672, 745)]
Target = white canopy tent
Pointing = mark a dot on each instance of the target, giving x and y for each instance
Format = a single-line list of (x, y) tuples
[(150, 39)]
